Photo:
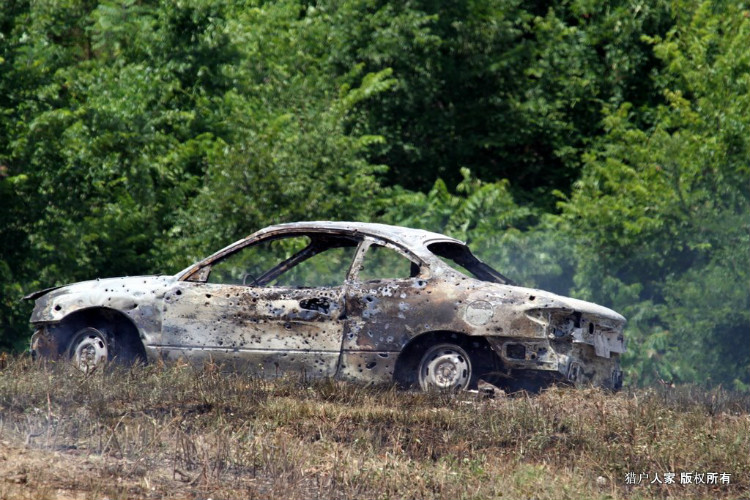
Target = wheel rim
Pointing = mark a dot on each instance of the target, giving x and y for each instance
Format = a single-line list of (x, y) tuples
[(89, 349), (445, 367)]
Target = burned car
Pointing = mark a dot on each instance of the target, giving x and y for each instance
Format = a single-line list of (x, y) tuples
[(357, 301)]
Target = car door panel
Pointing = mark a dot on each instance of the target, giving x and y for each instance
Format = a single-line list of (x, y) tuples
[(383, 314), (265, 328)]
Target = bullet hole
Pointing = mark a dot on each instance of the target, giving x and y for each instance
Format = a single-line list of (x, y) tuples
[(178, 292), (208, 295), (371, 365), (531, 297), (57, 307)]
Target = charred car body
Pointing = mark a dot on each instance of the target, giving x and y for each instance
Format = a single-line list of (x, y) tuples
[(357, 301)]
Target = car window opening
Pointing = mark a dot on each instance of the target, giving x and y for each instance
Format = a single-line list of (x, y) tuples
[(296, 260), (381, 262), (335, 266), (460, 258)]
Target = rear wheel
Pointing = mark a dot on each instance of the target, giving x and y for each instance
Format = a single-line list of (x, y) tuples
[(445, 367), (89, 349)]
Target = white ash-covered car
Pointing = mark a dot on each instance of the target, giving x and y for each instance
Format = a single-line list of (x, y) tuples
[(358, 301)]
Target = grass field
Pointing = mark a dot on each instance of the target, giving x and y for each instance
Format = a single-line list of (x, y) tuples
[(176, 431)]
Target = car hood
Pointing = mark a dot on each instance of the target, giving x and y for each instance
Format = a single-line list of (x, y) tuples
[(39, 293)]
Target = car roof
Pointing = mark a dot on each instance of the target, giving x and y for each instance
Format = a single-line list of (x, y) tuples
[(414, 240), (403, 236)]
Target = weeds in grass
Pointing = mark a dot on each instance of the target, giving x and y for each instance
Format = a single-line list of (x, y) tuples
[(176, 431)]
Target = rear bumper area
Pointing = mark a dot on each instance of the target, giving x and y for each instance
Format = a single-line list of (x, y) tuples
[(561, 361)]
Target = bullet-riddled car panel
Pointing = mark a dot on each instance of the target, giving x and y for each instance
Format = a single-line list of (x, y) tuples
[(359, 301)]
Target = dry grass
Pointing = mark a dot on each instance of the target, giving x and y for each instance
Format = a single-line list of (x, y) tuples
[(182, 432)]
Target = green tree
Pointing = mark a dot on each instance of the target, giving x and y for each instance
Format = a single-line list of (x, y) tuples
[(662, 215), (510, 90), (520, 241), (105, 132), (292, 153)]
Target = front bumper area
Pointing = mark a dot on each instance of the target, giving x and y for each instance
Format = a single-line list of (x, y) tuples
[(44, 343)]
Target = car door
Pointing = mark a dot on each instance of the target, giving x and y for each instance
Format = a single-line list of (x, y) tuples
[(274, 306), (385, 302)]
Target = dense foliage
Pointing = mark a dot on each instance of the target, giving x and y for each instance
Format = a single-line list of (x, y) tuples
[(596, 149)]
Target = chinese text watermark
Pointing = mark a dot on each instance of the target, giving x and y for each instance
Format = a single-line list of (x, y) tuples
[(683, 478)]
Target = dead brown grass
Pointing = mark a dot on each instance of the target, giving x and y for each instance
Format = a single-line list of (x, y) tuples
[(179, 431)]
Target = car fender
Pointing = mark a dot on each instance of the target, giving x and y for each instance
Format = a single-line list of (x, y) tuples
[(140, 298)]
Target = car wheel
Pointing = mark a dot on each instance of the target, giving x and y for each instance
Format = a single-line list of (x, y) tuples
[(89, 349), (445, 367)]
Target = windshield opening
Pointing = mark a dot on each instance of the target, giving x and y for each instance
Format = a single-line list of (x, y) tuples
[(460, 258)]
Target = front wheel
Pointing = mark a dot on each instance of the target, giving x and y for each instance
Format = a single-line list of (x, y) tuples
[(445, 367), (89, 349)]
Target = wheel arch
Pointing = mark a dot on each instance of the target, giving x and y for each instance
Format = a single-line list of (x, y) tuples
[(479, 349), (122, 330)]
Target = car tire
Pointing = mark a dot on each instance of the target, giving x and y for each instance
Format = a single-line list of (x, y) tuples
[(445, 367), (90, 348)]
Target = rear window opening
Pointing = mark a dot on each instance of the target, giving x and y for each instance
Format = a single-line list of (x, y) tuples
[(460, 258)]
